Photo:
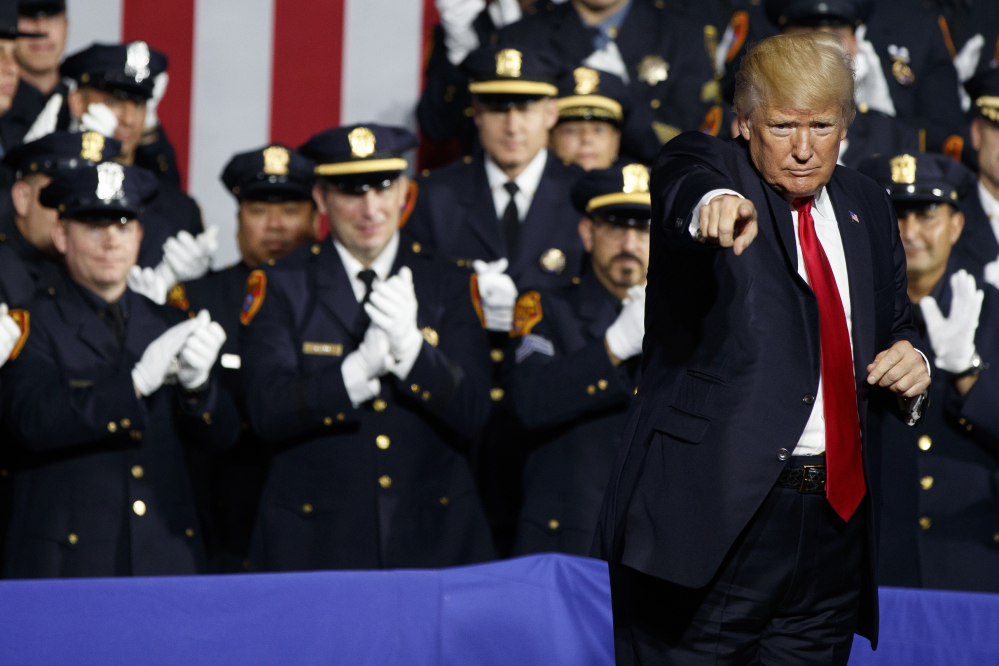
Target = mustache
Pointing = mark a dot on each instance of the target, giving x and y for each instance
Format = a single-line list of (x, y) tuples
[(626, 255)]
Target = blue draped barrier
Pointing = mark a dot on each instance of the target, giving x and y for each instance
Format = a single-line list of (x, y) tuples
[(546, 610)]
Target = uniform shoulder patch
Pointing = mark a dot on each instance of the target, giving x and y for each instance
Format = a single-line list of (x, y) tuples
[(23, 320), (407, 209), (473, 285), (740, 30), (178, 297), (953, 147), (526, 314), (256, 288), (712, 121)]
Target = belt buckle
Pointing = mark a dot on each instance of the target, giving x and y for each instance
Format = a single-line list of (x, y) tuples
[(804, 476)]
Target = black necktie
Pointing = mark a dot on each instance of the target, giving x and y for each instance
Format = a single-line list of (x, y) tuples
[(367, 276), (511, 219), (115, 320)]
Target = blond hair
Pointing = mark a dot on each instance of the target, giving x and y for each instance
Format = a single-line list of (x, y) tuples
[(801, 71)]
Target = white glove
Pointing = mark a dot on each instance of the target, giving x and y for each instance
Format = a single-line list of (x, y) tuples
[(497, 292), (46, 121), (393, 308), (153, 283), (966, 62), (992, 273), (953, 338), (152, 369), (625, 335), (10, 333), (457, 17), (159, 89), (200, 351), (363, 366), (505, 12), (101, 119), (188, 257), (871, 85)]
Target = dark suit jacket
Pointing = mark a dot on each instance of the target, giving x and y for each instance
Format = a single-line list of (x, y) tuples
[(946, 471), (324, 506), (81, 434), (455, 220), (731, 352)]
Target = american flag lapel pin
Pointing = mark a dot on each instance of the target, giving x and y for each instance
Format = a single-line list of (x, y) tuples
[(853, 216)]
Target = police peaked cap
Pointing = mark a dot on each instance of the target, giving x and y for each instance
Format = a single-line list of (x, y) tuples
[(924, 178), (107, 192), (590, 94), (270, 173), (61, 150), (784, 13), (129, 69), (620, 192)]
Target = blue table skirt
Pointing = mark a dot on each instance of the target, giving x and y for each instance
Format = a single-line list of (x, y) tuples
[(546, 610)]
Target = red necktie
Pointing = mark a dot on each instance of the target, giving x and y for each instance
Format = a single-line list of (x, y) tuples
[(844, 464)]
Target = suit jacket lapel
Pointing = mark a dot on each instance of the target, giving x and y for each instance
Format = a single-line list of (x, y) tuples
[(334, 292), (781, 213), (480, 210)]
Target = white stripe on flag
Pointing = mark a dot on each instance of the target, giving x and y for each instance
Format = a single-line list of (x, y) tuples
[(92, 21)]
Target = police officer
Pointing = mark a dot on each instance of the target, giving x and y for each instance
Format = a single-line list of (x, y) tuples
[(115, 83), (365, 364), (574, 360), (39, 57), (592, 106), (105, 490), (941, 511), (666, 59), (977, 249), (273, 186), (971, 31), (28, 259), (14, 118)]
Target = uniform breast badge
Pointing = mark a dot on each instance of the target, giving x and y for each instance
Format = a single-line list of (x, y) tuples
[(900, 67), (653, 69), (553, 261)]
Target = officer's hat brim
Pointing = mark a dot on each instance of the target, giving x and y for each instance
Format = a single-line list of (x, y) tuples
[(116, 84), (34, 9), (590, 107), (97, 211), (359, 183), (620, 201), (915, 195), (274, 192), (510, 93)]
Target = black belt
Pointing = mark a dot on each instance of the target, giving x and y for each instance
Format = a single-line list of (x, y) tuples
[(806, 479)]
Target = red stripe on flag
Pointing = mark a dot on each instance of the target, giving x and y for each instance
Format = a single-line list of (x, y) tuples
[(308, 59), (168, 27)]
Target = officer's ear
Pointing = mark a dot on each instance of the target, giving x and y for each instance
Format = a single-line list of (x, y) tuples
[(59, 236), (976, 133), (22, 195), (956, 226), (551, 113), (319, 196), (586, 234)]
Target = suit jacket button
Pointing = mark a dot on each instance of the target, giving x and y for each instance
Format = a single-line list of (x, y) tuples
[(925, 522), (137, 471), (925, 443), (385, 481), (73, 539), (382, 442), (808, 399), (139, 507), (553, 524), (783, 454)]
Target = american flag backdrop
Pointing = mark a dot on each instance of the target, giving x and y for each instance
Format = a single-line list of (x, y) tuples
[(247, 72)]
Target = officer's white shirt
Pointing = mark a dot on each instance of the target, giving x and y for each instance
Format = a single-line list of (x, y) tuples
[(527, 182), (991, 207), (382, 266)]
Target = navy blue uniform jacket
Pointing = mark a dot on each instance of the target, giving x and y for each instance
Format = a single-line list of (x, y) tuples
[(977, 245), (731, 350), (90, 448), (455, 220), (384, 485)]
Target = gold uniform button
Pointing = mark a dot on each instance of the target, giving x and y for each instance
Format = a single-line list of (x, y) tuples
[(591, 389), (926, 482), (925, 522), (189, 532), (425, 395), (962, 421), (496, 355), (379, 405), (968, 427), (383, 442), (385, 481), (553, 524), (415, 388), (925, 443), (602, 385), (315, 249), (137, 471), (496, 394), (51, 291), (995, 537), (125, 423), (3, 473), (271, 262), (636, 391), (112, 427), (73, 539), (306, 508), (575, 280), (139, 507), (341, 417), (467, 159), (446, 500), (417, 248), (655, 104), (328, 421), (207, 418), (136, 435)]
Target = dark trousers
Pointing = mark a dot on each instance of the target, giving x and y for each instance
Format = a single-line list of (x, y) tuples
[(788, 592)]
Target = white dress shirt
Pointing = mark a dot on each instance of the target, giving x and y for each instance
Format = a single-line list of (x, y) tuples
[(382, 266), (527, 182), (991, 207)]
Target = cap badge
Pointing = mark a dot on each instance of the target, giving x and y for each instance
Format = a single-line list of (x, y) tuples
[(276, 160), (636, 178), (137, 61), (653, 69), (508, 63), (92, 146), (903, 170), (553, 261), (362, 142), (989, 105), (110, 178), (587, 80)]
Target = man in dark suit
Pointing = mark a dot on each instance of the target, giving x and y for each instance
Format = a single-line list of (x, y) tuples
[(573, 361), (941, 512), (741, 519), (365, 365), (102, 489), (273, 186)]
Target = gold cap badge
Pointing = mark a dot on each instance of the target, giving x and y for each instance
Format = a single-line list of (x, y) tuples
[(276, 160), (362, 142), (508, 63), (636, 178), (587, 80), (903, 170), (92, 146), (989, 104)]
